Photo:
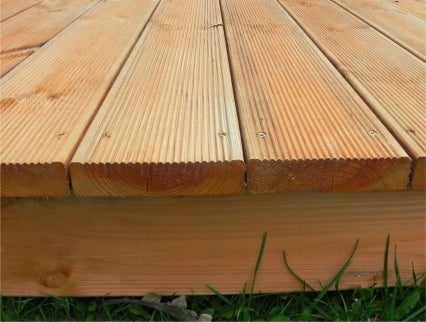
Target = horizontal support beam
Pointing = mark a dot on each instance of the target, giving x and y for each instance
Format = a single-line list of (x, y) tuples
[(100, 246)]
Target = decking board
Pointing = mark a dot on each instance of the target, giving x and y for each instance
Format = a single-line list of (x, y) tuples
[(10, 59), (50, 98), (169, 124), (9, 8), (303, 126), (38, 24), (415, 7), (409, 32), (133, 246), (389, 78)]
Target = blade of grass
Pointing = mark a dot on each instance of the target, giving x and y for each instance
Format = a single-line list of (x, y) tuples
[(258, 261), (335, 280), (414, 316), (219, 295), (385, 268), (295, 274)]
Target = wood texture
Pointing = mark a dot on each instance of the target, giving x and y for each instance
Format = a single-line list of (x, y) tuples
[(82, 246), (49, 99), (391, 80), (35, 26), (303, 126), (415, 7), (9, 8), (13, 58), (169, 124), (409, 32)]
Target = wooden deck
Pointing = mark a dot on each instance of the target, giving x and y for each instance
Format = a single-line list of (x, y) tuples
[(302, 119)]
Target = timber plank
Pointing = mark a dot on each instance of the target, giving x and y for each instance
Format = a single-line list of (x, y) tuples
[(303, 126), (132, 246), (389, 78), (11, 59), (50, 98), (409, 31), (415, 7), (169, 124), (9, 8), (35, 26)]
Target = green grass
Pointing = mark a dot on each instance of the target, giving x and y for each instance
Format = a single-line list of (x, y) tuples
[(401, 302)]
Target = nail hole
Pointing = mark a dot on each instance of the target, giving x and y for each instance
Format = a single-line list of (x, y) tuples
[(261, 134), (106, 134), (60, 135), (222, 133), (412, 132), (372, 133)]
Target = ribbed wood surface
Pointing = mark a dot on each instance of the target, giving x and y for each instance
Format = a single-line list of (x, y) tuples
[(169, 124), (11, 59), (303, 127), (409, 32), (386, 75), (35, 26), (415, 7), (49, 99), (9, 8)]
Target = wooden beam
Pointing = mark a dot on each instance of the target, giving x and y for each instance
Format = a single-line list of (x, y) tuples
[(388, 78), (169, 124), (409, 32), (50, 98), (303, 126), (46, 19), (116, 247), (11, 59), (10, 8)]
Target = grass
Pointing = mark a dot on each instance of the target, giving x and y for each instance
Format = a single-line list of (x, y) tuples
[(398, 303)]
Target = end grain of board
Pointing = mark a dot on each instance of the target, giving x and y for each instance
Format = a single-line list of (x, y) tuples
[(303, 126), (169, 124), (49, 99)]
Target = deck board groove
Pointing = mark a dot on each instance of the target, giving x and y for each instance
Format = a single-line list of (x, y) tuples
[(303, 127), (9, 8), (169, 124), (11, 59), (49, 99), (390, 80)]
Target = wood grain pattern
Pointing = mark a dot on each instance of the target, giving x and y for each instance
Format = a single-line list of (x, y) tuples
[(35, 26), (13, 58), (9, 8), (415, 7), (169, 124), (409, 31), (132, 246), (391, 80), (303, 126), (49, 99)]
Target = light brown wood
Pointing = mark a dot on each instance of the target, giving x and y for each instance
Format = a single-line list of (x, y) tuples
[(389, 78), (9, 8), (303, 126), (415, 7), (46, 19), (82, 247), (13, 58), (50, 98), (409, 32), (169, 124)]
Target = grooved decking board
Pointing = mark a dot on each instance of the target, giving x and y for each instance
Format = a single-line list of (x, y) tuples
[(409, 31), (303, 126), (49, 99), (415, 7), (169, 124), (9, 8), (390, 79), (97, 246), (13, 58), (35, 26)]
